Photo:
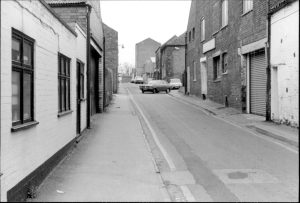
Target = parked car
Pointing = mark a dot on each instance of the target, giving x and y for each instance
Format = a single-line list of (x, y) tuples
[(132, 80), (175, 83), (138, 80), (155, 86)]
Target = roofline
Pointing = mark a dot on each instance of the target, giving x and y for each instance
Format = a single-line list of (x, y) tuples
[(57, 17), (280, 5), (68, 4)]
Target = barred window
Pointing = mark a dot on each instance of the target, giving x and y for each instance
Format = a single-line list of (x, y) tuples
[(63, 83)]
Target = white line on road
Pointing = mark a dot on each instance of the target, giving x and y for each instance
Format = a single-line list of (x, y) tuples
[(235, 125), (164, 152)]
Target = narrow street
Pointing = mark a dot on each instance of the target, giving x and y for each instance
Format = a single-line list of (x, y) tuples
[(151, 147), (211, 160)]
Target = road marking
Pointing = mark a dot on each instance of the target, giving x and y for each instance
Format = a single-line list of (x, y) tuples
[(164, 152), (235, 125), (187, 193)]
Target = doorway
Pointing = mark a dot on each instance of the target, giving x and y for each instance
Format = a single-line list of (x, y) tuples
[(203, 71)]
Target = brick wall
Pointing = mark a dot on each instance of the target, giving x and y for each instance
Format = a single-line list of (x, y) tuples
[(112, 54), (143, 51), (24, 151), (242, 29)]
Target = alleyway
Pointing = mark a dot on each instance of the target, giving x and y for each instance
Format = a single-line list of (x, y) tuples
[(197, 157)]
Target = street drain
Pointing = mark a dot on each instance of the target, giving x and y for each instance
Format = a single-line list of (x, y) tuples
[(237, 175)]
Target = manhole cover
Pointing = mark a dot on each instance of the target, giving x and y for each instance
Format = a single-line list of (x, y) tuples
[(237, 175)]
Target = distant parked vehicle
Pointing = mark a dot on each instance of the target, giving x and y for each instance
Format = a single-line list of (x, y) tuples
[(155, 86), (138, 80), (175, 83)]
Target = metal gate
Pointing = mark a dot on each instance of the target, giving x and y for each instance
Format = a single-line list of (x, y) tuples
[(258, 83)]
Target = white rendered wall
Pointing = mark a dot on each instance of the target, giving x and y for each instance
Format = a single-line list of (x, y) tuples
[(285, 56), (25, 150)]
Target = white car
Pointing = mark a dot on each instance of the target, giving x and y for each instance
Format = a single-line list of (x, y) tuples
[(175, 83)]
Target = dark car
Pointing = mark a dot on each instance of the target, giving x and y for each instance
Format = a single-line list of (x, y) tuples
[(156, 86)]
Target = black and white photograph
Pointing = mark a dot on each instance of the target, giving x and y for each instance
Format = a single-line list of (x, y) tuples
[(149, 100)]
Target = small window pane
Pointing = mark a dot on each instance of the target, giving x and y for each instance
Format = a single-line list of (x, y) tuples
[(27, 53), (62, 83), (16, 51), (27, 96), (81, 86), (62, 65), (67, 95), (16, 96)]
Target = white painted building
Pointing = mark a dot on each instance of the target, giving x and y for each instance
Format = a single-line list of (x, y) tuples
[(284, 45), (38, 121)]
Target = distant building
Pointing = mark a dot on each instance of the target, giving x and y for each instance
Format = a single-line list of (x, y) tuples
[(149, 67), (284, 62), (171, 58), (144, 50)]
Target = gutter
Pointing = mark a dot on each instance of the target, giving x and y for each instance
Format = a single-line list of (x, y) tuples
[(268, 68), (88, 69)]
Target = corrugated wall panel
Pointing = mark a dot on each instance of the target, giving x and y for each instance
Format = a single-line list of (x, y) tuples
[(258, 83)]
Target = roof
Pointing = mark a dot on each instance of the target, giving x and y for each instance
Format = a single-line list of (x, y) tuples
[(174, 41), (66, 2), (148, 39)]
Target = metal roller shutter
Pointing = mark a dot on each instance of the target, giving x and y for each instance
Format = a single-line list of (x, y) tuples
[(258, 83)]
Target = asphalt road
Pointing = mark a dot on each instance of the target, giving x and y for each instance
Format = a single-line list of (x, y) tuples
[(211, 160)]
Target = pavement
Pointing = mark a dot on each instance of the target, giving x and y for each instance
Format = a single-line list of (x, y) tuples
[(112, 162), (255, 123)]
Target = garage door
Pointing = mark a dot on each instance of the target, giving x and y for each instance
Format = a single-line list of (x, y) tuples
[(258, 83)]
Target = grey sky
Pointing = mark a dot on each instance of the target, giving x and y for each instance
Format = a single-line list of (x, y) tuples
[(138, 20)]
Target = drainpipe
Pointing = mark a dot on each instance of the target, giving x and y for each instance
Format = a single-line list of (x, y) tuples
[(104, 74), (185, 71), (268, 69), (88, 69)]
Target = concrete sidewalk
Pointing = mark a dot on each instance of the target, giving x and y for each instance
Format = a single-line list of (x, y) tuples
[(112, 162), (255, 123)]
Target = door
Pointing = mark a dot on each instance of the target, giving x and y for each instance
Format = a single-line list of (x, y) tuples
[(258, 83), (203, 78), (188, 78)]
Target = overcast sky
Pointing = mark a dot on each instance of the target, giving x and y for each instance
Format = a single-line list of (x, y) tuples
[(137, 20)]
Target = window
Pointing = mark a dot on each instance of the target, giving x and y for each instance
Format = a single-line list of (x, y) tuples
[(193, 33), (202, 37), (247, 5), (190, 36), (224, 62), (224, 13), (216, 66), (195, 71), (22, 78), (81, 81), (63, 83)]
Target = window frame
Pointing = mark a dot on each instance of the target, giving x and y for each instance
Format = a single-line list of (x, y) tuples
[(245, 6), (216, 68), (22, 69), (64, 77), (202, 27), (224, 13), (223, 64)]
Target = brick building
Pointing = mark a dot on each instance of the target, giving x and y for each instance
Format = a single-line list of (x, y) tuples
[(84, 12), (111, 54), (171, 58), (43, 76), (226, 53), (144, 50)]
